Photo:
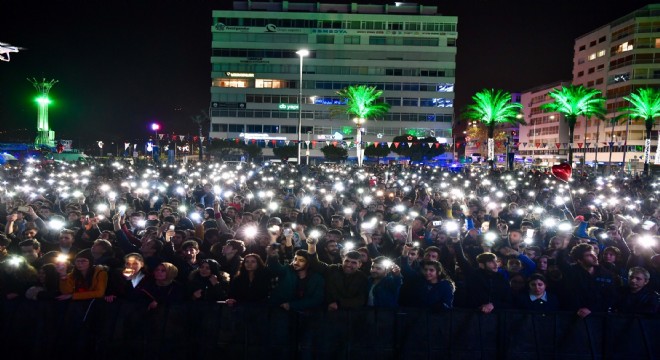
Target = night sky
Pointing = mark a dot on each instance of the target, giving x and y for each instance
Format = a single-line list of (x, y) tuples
[(123, 64)]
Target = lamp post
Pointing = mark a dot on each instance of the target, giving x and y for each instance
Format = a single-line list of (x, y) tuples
[(307, 148), (358, 139), (301, 53), (156, 147)]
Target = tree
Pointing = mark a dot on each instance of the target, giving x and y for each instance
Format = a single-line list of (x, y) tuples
[(645, 105), (286, 152), (334, 153), (361, 102), (479, 134), (225, 148), (377, 151), (574, 101), (491, 108), (200, 120), (253, 151)]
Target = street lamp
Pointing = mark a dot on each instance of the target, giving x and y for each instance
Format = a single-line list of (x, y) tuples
[(156, 148), (301, 53), (307, 148)]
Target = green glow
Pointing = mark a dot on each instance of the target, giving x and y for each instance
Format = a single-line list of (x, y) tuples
[(43, 100), (574, 101), (346, 130), (491, 108), (645, 104), (361, 101)]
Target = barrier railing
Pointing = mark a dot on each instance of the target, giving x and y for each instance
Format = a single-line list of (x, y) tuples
[(100, 330)]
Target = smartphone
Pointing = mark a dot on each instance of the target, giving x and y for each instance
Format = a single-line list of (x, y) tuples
[(530, 233), (171, 227), (288, 232), (437, 223), (24, 209), (647, 225)]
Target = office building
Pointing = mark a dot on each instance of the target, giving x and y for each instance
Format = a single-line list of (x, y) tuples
[(408, 51)]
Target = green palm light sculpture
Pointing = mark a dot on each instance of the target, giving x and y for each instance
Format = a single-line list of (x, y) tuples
[(645, 105), (362, 103), (492, 108), (574, 101)]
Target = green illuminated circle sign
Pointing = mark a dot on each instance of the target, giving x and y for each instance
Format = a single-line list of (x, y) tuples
[(288, 107)]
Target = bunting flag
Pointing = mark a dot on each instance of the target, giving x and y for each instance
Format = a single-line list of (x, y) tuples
[(286, 142), (327, 143), (181, 137), (134, 146), (126, 145), (274, 142), (160, 136), (430, 145), (247, 141), (619, 143), (389, 144), (254, 141), (558, 145), (202, 137), (580, 145), (478, 144), (368, 143), (565, 144), (334, 143), (611, 143), (409, 145), (538, 145), (348, 143), (313, 143), (586, 145), (237, 140), (376, 143), (396, 145), (437, 145), (306, 143), (174, 137), (524, 144)]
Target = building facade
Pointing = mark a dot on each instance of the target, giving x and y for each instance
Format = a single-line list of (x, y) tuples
[(408, 51), (618, 59), (544, 137)]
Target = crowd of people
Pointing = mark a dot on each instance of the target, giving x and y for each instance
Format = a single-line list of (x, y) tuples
[(330, 237)]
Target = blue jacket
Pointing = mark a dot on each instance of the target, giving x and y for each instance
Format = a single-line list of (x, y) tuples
[(386, 291)]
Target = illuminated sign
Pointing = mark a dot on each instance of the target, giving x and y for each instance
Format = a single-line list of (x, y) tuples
[(242, 75), (260, 136), (288, 107)]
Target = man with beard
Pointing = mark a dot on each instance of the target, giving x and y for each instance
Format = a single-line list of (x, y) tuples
[(593, 288), (346, 285), (297, 287)]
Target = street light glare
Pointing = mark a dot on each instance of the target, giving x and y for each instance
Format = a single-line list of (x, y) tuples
[(155, 126), (302, 52)]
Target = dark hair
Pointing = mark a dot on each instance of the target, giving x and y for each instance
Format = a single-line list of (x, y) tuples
[(578, 251), (354, 255), (237, 245), (213, 265), (30, 242), (190, 243), (442, 274), (4, 240), (537, 276), (486, 257), (260, 263), (303, 253), (433, 249), (52, 280)]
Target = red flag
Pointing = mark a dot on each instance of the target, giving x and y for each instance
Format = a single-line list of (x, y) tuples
[(580, 145), (396, 145)]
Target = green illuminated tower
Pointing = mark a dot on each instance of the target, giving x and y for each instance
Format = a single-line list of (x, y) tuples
[(44, 135)]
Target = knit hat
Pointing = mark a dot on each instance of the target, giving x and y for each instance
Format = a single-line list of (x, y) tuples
[(86, 254)]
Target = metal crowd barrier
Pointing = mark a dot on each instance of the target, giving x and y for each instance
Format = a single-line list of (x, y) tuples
[(100, 330)]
